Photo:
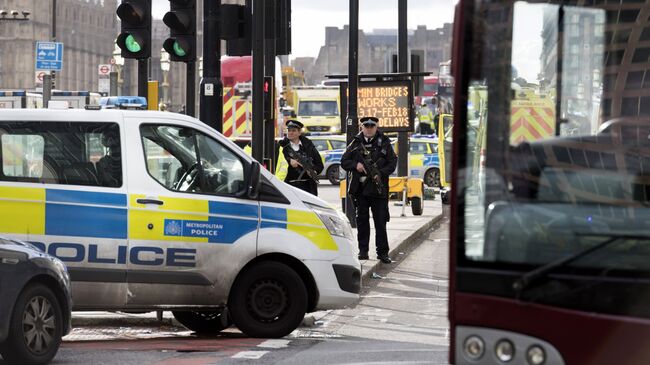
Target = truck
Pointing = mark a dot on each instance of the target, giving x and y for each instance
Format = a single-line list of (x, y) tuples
[(318, 108)]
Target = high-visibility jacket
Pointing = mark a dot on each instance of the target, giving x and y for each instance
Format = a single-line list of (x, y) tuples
[(425, 115), (282, 166)]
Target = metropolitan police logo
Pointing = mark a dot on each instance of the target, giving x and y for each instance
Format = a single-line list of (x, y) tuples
[(173, 228)]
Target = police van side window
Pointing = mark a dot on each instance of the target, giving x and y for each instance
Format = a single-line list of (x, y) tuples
[(22, 155), (172, 155), (86, 154), (337, 145)]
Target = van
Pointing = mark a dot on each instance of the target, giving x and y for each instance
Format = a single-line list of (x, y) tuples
[(157, 211)]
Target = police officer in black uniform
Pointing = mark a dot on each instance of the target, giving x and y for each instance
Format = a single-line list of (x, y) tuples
[(370, 159), (296, 175)]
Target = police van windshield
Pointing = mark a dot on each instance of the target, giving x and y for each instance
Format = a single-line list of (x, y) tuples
[(309, 108)]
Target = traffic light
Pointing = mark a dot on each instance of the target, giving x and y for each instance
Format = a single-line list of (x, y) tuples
[(283, 28), (135, 35), (181, 20), (269, 98), (237, 28)]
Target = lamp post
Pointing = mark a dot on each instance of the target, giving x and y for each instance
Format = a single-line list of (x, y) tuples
[(117, 61), (14, 15), (165, 65)]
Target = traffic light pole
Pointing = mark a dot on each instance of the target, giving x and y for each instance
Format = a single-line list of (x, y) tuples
[(352, 122), (211, 88), (258, 81), (402, 64), (143, 77), (190, 87), (269, 70)]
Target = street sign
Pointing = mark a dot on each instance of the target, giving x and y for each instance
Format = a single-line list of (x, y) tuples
[(104, 71), (38, 78), (49, 56)]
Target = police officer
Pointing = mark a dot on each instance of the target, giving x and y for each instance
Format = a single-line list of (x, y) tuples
[(296, 175), (425, 116), (370, 159)]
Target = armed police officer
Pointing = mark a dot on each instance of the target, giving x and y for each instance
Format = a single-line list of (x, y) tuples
[(302, 163), (370, 159)]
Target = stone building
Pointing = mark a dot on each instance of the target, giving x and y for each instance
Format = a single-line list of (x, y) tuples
[(375, 50), (87, 29)]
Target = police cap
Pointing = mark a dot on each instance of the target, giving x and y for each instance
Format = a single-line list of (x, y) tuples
[(369, 120), (292, 123)]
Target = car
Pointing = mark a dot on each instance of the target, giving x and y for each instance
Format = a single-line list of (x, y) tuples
[(185, 221), (331, 148), (423, 158), (35, 304)]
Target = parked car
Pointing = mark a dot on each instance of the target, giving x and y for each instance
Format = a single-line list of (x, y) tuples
[(331, 148), (35, 303)]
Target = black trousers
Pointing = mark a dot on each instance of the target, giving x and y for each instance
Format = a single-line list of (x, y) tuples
[(380, 216), (306, 185)]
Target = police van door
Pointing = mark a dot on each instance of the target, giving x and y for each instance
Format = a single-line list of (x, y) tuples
[(190, 230)]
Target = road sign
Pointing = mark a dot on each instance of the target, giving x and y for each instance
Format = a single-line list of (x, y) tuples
[(49, 56), (104, 71)]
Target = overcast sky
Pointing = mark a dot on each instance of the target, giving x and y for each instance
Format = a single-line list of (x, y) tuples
[(310, 17)]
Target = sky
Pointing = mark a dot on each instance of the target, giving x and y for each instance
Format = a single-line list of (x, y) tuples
[(310, 17)]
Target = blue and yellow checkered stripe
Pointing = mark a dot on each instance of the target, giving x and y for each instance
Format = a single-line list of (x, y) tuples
[(55, 212), (39, 211)]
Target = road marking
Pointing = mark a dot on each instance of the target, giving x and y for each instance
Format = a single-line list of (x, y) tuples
[(400, 297), (249, 355), (274, 344)]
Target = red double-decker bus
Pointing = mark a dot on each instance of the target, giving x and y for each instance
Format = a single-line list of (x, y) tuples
[(550, 234)]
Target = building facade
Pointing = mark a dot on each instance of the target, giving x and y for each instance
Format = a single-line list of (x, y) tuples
[(87, 29), (376, 50)]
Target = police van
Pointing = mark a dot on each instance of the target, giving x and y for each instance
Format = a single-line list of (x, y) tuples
[(157, 211)]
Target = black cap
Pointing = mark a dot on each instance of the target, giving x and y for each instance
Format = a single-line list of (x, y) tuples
[(292, 123), (369, 120)]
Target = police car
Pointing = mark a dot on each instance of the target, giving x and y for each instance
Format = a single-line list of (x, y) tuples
[(188, 222), (423, 159), (331, 148)]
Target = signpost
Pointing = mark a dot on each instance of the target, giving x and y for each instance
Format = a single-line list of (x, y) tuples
[(49, 56), (390, 101), (104, 73)]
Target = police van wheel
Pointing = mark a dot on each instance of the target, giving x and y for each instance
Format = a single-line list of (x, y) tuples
[(268, 300), (35, 328), (432, 178), (208, 322), (333, 174), (416, 206)]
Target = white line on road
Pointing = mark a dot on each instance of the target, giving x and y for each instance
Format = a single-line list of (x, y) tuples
[(274, 344), (249, 355), (395, 297)]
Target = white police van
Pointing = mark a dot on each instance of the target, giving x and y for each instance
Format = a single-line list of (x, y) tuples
[(157, 211)]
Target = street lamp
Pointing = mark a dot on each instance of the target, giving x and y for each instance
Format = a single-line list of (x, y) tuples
[(165, 65), (118, 62), (14, 15)]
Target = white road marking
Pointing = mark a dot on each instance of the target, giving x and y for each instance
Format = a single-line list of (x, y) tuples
[(249, 355), (274, 344)]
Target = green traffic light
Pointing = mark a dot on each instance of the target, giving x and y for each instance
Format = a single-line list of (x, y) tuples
[(132, 45), (178, 50)]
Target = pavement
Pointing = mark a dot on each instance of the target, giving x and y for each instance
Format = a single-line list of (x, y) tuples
[(402, 232)]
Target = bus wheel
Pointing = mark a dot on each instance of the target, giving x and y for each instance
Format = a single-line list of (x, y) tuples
[(268, 300), (416, 206), (208, 322), (432, 178), (333, 174)]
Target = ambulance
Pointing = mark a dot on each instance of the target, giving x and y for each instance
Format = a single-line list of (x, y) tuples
[(156, 211)]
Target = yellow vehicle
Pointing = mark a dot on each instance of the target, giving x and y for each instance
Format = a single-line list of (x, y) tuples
[(414, 188), (424, 162), (445, 123), (318, 108), (291, 79)]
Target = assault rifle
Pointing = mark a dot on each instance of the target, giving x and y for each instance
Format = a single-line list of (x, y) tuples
[(307, 166), (372, 169)]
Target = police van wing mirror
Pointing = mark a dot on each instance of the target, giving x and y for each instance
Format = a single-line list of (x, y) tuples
[(293, 114), (254, 180)]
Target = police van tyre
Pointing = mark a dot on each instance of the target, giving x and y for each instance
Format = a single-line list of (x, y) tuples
[(416, 206), (204, 322), (432, 178), (332, 174), (35, 328), (268, 300)]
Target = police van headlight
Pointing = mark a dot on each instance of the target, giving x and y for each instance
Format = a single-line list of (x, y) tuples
[(337, 224)]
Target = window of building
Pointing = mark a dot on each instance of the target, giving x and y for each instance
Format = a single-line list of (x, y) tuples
[(629, 16), (641, 55), (622, 35), (86, 154), (634, 80), (630, 107), (645, 35), (615, 57)]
